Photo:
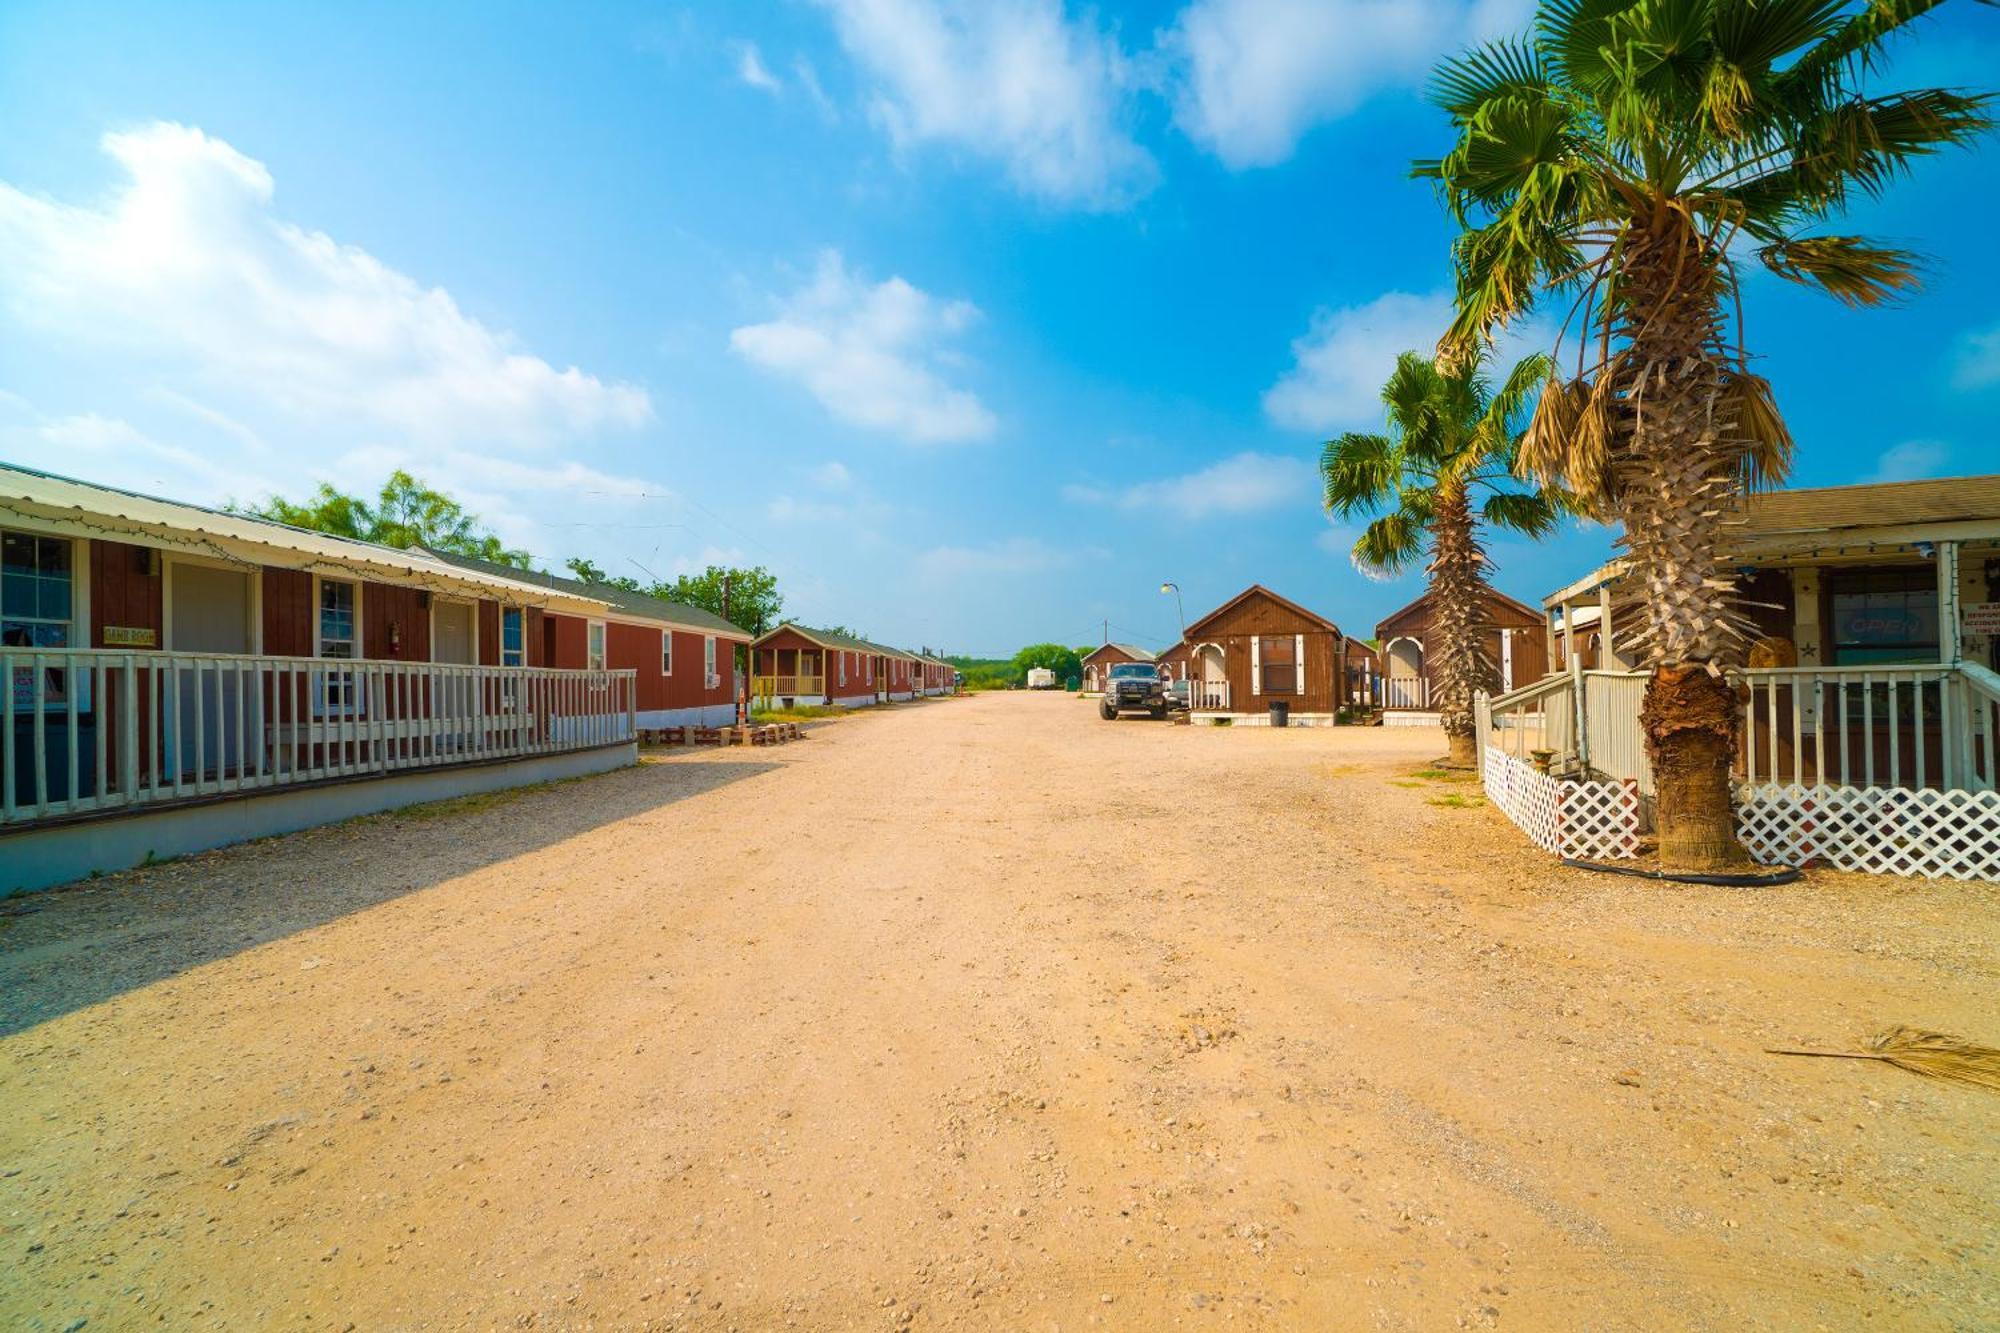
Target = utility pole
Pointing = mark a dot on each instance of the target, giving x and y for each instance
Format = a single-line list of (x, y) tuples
[(1107, 630), (739, 695)]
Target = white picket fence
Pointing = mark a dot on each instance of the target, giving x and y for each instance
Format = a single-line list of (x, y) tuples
[(1889, 770), (85, 731)]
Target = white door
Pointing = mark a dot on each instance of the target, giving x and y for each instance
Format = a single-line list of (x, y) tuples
[(453, 637), (219, 703)]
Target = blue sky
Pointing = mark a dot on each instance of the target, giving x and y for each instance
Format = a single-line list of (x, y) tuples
[(974, 322)]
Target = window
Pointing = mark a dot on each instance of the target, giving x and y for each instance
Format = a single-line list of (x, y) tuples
[(1884, 615), (1278, 668), (843, 668), (513, 636), (707, 658), (666, 652), (336, 619), (593, 652), (36, 586)]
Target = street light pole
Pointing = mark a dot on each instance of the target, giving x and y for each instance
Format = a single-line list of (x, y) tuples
[(1175, 589)]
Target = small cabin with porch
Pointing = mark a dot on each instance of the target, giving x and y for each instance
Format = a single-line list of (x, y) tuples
[(1514, 643), (797, 664), (1869, 701), (1259, 648), (1098, 662), (177, 677)]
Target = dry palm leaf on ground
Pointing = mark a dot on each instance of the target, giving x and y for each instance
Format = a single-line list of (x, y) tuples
[(1932, 1054)]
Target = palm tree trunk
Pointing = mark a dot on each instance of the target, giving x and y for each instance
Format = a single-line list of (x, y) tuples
[(1675, 485), (1458, 661)]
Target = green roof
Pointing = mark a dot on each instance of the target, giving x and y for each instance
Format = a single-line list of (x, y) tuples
[(623, 600), (841, 642)]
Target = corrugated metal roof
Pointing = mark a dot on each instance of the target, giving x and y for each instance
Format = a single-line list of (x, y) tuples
[(678, 614), (145, 516)]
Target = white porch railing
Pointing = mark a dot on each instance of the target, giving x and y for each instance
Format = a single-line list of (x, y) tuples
[(1208, 696), (1887, 769), (1406, 692), (83, 731)]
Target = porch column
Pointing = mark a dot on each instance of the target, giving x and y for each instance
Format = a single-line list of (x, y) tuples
[(1612, 658), (1549, 638), (1947, 580), (1569, 634)]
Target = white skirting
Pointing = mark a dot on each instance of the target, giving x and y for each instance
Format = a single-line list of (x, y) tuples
[(1411, 717), (1263, 719), (41, 858), (701, 715)]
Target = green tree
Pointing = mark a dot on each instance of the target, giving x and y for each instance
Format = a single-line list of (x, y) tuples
[(1454, 442), (589, 571), (406, 513), (1065, 662), (746, 597), (1625, 158)]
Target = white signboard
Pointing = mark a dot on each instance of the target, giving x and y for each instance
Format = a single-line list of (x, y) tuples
[(1980, 617)]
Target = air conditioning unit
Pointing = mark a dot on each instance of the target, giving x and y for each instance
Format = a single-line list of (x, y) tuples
[(711, 680)]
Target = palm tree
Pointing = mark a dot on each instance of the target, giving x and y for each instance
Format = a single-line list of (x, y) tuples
[(1455, 441), (1627, 157)]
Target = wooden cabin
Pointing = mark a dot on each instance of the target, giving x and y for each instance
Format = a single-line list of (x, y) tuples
[(1098, 662), (797, 664), (1259, 647), (180, 677), (1515, 644)]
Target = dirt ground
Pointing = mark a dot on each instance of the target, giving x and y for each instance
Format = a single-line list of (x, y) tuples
[(985, 1013)]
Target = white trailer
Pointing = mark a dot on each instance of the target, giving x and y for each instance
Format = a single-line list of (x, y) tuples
[(1041, 678)]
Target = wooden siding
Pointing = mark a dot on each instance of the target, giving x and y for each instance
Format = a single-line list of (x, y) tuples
[(860, 683), (125, 590), (1232, 629), (288, 612), (1530, 647), (566, 641), (637, 647), (489, 633), (395, 623)]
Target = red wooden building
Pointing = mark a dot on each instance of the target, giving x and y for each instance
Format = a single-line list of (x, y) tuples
[(179, 677), (795, 664), (683, 658)]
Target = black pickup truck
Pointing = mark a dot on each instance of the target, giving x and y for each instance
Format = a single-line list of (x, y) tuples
[(1134, 686)]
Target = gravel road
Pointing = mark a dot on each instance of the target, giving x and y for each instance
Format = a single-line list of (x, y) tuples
[(985, 1013)]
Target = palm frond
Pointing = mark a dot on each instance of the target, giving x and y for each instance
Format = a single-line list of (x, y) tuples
[(1848, 268), (1391, 543), (1531, 514), (1543, 454), (1932, 1054), (1462, 84), (1360, 473), (1767, 457)]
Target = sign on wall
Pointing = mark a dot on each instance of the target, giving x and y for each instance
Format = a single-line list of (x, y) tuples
[(130, 636), (1980, 617)]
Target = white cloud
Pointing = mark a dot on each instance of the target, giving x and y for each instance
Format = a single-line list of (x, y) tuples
[(95, 447), (1012, 80), (1341, 362), (871, 353), (751, 70), (1252, 76), (832, 476), (186, 270), (1014, 556), (1978, 363), (1911, 460), (1242, 484)]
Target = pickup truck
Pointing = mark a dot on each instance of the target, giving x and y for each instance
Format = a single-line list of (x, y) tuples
[(1134, 686)]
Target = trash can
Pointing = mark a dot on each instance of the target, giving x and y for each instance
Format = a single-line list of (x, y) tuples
[(1281, 713)]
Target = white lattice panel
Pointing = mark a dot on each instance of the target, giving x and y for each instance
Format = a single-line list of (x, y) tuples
[(1880, 830), (1585, 820)]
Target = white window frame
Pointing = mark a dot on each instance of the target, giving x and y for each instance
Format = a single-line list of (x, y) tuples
[(521, 653), (596, 632), (666, 652), (708, 661), (337, 693), (843, 667), (55, 685)]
